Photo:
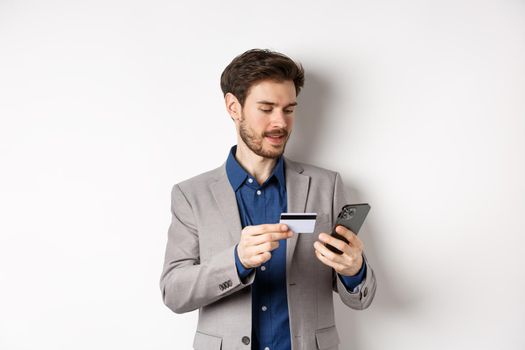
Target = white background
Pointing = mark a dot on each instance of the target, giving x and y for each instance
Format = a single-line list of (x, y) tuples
[(105, 105)]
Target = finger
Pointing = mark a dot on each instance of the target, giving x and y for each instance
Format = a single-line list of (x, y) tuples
[(344, 231), (335, 242), (354, 246), (265, 247), (264, 228), (349, 235), (337, 267), (269, 237), (259, 239), (276, 236), (321, 248), (261, 258)]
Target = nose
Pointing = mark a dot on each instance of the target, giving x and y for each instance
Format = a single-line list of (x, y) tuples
[(279, 118)]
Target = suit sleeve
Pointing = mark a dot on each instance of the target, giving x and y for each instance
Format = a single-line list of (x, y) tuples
[(363, 294), (186, 282)]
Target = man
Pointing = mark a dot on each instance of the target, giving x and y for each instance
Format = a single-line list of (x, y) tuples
[(257, 284)]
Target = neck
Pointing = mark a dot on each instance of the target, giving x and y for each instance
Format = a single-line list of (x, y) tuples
[(259, 167)]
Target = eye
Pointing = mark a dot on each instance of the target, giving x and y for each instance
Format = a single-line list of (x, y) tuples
[(289, 111), (266, 110)]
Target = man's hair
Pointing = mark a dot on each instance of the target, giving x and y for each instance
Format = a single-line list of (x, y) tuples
[(256, 65)]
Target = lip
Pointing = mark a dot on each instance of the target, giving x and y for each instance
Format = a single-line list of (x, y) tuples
[(275, 141)]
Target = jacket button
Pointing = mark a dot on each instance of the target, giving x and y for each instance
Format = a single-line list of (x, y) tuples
[(246, 340)]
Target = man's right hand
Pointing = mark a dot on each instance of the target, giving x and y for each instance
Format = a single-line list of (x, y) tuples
[(258, 241)]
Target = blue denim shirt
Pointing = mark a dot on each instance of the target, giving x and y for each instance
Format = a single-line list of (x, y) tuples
[(263, 204)]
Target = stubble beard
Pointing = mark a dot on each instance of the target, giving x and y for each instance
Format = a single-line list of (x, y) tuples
[(255, 142)]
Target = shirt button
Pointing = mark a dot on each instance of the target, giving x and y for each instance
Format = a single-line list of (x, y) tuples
[(259, 192), (266, 348), (263, 268), (250, 180), (264, 308)]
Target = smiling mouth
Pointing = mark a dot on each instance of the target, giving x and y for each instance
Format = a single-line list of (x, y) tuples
[(275, 139)]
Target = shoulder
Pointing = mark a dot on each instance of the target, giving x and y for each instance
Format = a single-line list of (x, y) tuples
[(201, 181)]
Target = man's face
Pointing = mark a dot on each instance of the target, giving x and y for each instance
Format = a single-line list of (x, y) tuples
[(267, 117)]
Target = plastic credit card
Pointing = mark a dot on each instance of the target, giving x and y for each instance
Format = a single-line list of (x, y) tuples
[(299, 222)]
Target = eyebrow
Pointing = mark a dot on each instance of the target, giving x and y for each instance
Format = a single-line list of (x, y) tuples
[(275, 104)]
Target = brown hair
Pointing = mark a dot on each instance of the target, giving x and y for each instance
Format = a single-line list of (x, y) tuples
[(256, 65)]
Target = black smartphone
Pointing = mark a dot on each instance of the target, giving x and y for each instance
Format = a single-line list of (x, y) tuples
[(352, 217)]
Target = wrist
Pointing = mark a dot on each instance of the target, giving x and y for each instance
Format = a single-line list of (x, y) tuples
[(246, 266)]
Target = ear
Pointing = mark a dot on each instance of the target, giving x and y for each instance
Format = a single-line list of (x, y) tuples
[(233, 107)]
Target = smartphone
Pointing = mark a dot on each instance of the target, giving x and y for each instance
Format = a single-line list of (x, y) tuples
[(352, 217)]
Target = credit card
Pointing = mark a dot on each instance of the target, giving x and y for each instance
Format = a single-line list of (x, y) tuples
[(299, 222)]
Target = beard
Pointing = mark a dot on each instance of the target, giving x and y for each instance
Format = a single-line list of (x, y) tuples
[(255, 142)]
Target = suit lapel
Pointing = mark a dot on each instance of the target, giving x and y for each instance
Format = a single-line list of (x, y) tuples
[(297, 186), (227, 202)]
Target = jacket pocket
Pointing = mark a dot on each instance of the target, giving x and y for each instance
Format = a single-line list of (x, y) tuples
[(327, 338), (203, 341)]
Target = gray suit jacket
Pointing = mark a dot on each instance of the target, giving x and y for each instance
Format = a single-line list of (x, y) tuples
[(200, 273)]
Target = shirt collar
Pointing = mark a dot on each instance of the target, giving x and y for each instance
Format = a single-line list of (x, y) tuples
[(237, 175)]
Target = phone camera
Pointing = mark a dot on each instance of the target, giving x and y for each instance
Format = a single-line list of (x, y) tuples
[(348, 213)]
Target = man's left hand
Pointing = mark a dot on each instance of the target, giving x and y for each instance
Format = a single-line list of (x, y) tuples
[(347, 264)]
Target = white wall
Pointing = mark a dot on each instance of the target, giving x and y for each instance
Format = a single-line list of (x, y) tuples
[(105, 105)]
